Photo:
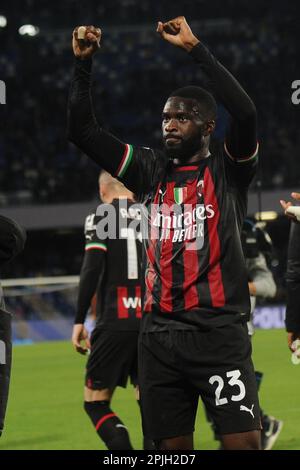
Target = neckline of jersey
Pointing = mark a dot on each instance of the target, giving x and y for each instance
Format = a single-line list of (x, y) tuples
[(191, 166)]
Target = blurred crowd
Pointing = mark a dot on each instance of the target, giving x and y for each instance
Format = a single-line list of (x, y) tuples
[(134, 73), (32, 304)]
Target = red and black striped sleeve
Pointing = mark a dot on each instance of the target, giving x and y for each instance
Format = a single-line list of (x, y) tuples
[(134, 166)]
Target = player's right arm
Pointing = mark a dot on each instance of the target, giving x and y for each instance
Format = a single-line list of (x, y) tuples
[(134, 166), (92, 269)]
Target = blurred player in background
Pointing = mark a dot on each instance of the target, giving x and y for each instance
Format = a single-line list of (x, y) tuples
[(194, 336), (257, 248), (12, 241), (111, 268), (292, 320)]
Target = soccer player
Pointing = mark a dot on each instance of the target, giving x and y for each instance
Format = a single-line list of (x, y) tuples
[(194, 338), (257, 246), (12, 241), (111, 267), (292, 320)]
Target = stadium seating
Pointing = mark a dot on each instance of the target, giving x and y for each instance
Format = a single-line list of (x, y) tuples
[(41, 166)]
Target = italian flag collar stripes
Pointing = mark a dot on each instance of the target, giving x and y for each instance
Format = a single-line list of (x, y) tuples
[(95, 246), (126, 159)]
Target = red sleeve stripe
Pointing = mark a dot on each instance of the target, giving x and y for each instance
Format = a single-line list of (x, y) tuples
[(95, 246), (154, 236), (122, 293), (191, 263), (166, 255), (125, 161), (215, 273), (242, 159)]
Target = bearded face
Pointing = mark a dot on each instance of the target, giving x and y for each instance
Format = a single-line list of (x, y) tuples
[(183, 128)]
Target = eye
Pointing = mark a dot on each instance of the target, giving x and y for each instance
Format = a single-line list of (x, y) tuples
[(182, 119), (165, 119)]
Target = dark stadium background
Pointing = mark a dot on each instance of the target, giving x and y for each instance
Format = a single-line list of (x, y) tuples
[(49, 186)]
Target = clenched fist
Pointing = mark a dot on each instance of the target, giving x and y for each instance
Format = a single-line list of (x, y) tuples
[(178, 32), (86, 41), (79, 335)]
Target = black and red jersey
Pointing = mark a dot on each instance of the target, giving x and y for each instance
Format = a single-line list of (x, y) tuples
[(194, 272), (112, 266)]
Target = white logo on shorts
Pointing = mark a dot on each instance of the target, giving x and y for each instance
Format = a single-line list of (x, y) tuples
[(244, 408)]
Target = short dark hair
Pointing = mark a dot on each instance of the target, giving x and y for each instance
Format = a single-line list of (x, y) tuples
[(205, 99)]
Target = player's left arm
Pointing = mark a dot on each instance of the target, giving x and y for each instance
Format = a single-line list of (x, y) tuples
[(241, 142)]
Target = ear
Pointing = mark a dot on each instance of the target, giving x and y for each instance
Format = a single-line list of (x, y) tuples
[(102, 195), (209, 127)]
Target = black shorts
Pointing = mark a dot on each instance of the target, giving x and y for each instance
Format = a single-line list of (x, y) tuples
[(112, 360), (178, 366)]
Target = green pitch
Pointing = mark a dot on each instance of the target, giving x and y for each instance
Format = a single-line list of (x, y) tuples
[(45, 406)]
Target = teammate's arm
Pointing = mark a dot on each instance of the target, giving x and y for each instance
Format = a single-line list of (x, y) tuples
[(241, 141), (91, 273), (133, 165), (292, 320), (285, 206)]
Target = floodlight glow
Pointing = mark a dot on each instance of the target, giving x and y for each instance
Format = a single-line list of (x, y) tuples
[(3, 21), (29, 30), (266, 215)]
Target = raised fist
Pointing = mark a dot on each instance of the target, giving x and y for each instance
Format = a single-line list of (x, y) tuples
[(86, 41), (178, 32)]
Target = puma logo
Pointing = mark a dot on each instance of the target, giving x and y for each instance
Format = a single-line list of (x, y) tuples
[(162, 194), (244, 408)]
